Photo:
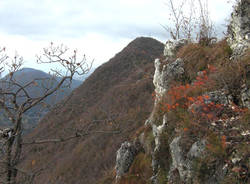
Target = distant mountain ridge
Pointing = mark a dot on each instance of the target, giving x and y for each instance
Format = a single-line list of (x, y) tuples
[(26, 75), (117, 95)]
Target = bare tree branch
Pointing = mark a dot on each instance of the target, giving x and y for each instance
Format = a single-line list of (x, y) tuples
[(190, 18), (77, 135), (16, 99)]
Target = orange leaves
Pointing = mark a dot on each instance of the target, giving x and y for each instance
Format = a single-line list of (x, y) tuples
[(33, 162), (200, 99), (223, 141), (180, 93), (188, 97), (206, 97), (210, 116), (183, 96), (185, 129), (187, 86), (168, 106), (191, 99), (178, 96)]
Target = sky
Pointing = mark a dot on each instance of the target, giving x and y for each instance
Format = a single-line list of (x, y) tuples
[(97, 28)]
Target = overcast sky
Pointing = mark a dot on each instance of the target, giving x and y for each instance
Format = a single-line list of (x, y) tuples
[(98, 28)]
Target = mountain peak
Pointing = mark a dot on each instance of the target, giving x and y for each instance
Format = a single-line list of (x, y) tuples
[(27, 69), (121, 83), (144, 43), (140, 49), (139, 41)]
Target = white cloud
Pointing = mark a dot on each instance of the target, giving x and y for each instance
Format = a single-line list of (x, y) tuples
[(98, 28)]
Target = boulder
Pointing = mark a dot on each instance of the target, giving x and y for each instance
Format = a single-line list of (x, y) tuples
[(124, 158), (182, 165)]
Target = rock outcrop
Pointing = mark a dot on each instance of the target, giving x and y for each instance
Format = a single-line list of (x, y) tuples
[(239, 29), (165, 73), (245, 96), (181, 165), (178, 155), (124, 158), (239, 39), (172, 46)]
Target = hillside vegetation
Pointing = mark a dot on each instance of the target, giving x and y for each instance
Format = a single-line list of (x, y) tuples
[(148, 116), (117, 96), (23, 77), (198, 131), (201, 116)]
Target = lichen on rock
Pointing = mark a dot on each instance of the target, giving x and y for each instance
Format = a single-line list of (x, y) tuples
[(172, 46), (239, 29), (124, 158), (165, 73), (183, 164), (245, 97)]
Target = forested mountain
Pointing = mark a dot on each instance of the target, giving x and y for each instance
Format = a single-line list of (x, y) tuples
[(42, 82), (116, 97), (153, 114)]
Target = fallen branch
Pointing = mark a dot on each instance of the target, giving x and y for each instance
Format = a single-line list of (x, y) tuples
[(76, 135)]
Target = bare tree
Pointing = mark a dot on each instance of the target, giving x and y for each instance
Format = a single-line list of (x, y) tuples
[(176, 17), (16, 99), (206, 28), (189, 19)]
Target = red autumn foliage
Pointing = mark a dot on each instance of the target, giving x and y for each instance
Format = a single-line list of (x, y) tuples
[(181, 96)]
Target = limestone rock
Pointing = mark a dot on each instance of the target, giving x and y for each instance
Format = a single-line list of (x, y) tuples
[(172, 46), (239, 28), (183, 164), (218, 97), (124, 158), (167, 70), (165, 73), (196, 150), (245, 97)]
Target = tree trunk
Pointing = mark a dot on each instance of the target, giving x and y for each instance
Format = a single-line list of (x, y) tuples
[(13, 153), (8, 160)]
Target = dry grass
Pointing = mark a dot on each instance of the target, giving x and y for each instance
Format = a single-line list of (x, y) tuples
[(197, 57)]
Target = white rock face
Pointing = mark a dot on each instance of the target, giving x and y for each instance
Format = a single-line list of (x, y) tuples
[(172, 46), (165, 73), (245, 97), (239, 29), (182, 164), (124, 158)]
